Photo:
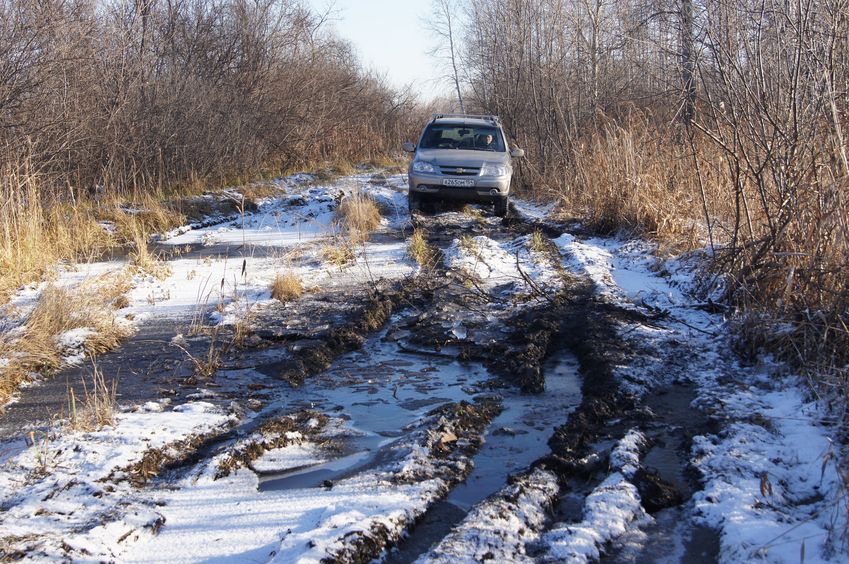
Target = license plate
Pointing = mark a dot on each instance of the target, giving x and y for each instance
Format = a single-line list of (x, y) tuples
[(457, 182)]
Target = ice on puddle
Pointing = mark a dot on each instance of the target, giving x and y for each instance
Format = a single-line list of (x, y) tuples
[(195, 407), (152, 407)]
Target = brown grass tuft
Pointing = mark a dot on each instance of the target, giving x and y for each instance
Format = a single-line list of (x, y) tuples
[(98, 407), (143, 259), (358, 215), (468, 244), (538, 242), (338, 254), (420, 250), (59, 310), (286, 287)]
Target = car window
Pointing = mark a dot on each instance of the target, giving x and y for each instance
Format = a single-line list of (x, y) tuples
[(456, 136)]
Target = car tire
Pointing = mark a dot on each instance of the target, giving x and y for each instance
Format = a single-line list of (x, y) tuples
[(414, 201), (501, 206)]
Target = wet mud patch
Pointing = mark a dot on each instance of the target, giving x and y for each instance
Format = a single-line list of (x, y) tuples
[(157, 461), (312, 351), (434, 458), (279, 432)]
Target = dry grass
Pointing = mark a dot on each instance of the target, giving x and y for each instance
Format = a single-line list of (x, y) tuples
[(331, 171), (779, 236), (538, 242), (639, 180), (468, 244), (338, 254), (358, 215), (254, 191), (286, 287), (145, 214), (99, 404), (143, 259), (90, 305), (207, 365), (34, 235), (420, 250), (472, 212), (36, 232)]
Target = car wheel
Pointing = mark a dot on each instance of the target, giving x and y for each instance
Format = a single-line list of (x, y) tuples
[(414, 200), (501, 206)]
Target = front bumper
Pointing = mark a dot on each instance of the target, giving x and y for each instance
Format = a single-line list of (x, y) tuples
[(487, 189)]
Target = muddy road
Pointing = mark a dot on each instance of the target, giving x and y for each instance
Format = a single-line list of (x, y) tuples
[(472, 409)]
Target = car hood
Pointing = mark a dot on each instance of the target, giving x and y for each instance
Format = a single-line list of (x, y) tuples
[(458, 157)]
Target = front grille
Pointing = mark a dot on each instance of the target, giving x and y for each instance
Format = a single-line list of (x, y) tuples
[(460, 170)]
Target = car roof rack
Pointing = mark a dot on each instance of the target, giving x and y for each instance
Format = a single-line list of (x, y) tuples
[(493, 119)]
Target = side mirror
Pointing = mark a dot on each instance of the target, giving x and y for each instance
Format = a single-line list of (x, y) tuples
[(517, 153), (408, 147)]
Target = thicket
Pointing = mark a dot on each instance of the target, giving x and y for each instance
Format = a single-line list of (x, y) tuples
[(108, 100), (719, 123)]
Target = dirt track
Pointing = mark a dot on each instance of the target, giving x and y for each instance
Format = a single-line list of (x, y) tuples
[(500, 340)]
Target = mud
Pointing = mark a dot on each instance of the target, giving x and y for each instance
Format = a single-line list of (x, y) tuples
[(436, 315), (145, 367), (274, 433), (157, 461), (314, 351), (455, 436), (655, 492)]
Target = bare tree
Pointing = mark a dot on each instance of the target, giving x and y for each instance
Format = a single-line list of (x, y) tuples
[(444, 27)]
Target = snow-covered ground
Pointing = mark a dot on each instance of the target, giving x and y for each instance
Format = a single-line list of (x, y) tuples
[(509, 268), (232, 279), (70, 495), (773, 485)]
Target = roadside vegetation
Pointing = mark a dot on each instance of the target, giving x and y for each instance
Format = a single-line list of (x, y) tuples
[(91, 307), (111, 112), (420, 250), (357, 216), (286, 287), (719, 125)]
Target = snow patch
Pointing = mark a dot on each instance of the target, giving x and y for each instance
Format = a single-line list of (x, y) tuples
[(66, 489), (506, 267)]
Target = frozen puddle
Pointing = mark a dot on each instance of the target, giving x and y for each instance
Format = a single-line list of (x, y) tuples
[(315, 476), (515, 439), (380, 390), (301, 511), (389, 389), (520, 434)]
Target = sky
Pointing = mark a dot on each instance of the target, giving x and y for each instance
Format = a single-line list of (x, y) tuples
[(390, 37)]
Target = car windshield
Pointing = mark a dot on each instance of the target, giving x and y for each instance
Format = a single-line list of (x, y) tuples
[(458, 136)]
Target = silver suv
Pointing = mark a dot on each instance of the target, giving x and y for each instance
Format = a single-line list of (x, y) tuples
[(461, 157)]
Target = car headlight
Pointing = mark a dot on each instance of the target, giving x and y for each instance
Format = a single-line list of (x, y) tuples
[(494, 170), (422, 166)]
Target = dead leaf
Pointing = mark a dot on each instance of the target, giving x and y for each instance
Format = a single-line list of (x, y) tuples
[(766, 485)]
